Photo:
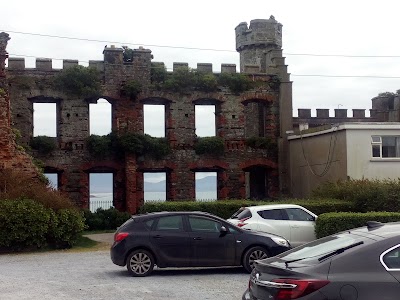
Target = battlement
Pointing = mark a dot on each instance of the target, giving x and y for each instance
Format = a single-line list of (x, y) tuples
[(261, 32), (305, 113), (46, 64), (304, 119)]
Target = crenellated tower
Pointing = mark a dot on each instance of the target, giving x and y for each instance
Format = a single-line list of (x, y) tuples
[(254, 41)]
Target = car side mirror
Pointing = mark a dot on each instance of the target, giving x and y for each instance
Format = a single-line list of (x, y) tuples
[(223, 230), (312, 218)]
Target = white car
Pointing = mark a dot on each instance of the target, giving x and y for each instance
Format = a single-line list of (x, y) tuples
[(293, 222)]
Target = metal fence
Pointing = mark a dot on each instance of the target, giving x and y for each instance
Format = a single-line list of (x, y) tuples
[(100, 203)]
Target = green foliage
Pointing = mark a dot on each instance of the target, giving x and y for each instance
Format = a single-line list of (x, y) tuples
[(185, 80), (367, 195), (225, 208), (105, 219), (43, 144), (158, 74), (209, 145), (127, 54), (274, 82), (330, 223), (144, 144), (23, 224), (2, 92), (131, 89), (236, 82), (79, 81), (257, 142), (23, 82), (100, 146), (65, 228), (134, 143)]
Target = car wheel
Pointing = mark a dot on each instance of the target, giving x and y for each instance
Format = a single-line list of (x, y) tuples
[(140, 263), (253, 254)]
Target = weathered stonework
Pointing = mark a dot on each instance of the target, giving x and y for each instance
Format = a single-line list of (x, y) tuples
[(10, 156), (242, 172)]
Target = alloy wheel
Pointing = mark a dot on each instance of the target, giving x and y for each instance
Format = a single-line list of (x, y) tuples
[(140, 263)]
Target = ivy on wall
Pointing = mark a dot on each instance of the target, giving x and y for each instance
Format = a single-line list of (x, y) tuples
[(257, 142), (43, 144)]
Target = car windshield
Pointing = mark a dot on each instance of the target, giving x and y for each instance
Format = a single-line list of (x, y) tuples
[(322, 247)]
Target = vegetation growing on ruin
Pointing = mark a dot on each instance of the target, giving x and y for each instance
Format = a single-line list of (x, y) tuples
[(131, 89), (133, 143), (43, 144), (258, 142), (2, 92), (79, 81), (209, 145), (185, 80)]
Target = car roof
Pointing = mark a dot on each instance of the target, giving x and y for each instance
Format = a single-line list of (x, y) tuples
[(272, 206), (166, 213)]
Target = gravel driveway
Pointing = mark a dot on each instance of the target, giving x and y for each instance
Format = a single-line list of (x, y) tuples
[(91, 275)]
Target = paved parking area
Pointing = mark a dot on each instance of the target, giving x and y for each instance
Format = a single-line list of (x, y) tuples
[(91, 275)]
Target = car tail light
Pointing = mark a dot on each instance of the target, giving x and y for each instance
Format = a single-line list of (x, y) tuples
[(296, 288), (242, 222), (120, 236)]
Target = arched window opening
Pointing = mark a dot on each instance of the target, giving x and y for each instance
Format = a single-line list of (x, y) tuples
[(100, 117), (205, 120)]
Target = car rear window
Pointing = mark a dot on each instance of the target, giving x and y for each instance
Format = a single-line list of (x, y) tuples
[(314, 250), (242, 213)]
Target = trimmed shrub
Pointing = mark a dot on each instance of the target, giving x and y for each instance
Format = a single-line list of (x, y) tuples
[(225, 208), (23, 224), (367, 195), (105, 219), (66, 227), (330, 223)]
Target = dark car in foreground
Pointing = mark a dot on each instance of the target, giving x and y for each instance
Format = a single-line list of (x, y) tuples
[(359, 264), (188, 239)]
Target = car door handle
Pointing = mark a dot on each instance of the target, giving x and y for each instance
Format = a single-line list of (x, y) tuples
[(197, 238), (157, 236)]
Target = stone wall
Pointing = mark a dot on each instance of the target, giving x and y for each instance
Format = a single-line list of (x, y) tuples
[(10, 156)]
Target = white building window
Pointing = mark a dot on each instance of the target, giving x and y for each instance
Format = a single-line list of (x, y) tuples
[(385, 146)]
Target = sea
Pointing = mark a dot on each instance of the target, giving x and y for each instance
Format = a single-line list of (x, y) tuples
[(105, 200)]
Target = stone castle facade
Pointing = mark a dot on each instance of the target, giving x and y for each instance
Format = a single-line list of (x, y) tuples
[(242, 171)]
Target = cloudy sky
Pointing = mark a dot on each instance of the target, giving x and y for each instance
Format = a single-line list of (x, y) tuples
[(342, 39)]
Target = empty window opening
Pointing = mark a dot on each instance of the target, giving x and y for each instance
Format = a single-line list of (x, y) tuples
[(100, 117), (206, 186), (256, 183), (205, 120), (53, 180), (101, 191), (155, 184), (45, 119), (154, 119)]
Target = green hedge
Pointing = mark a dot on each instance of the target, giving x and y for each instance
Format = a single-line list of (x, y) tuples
[(27, 224), (366, 194), (105, 219), (225, 208), (330, 223)]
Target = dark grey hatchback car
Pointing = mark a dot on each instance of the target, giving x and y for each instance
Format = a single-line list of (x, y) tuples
[(360, 264), (188, 239)]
